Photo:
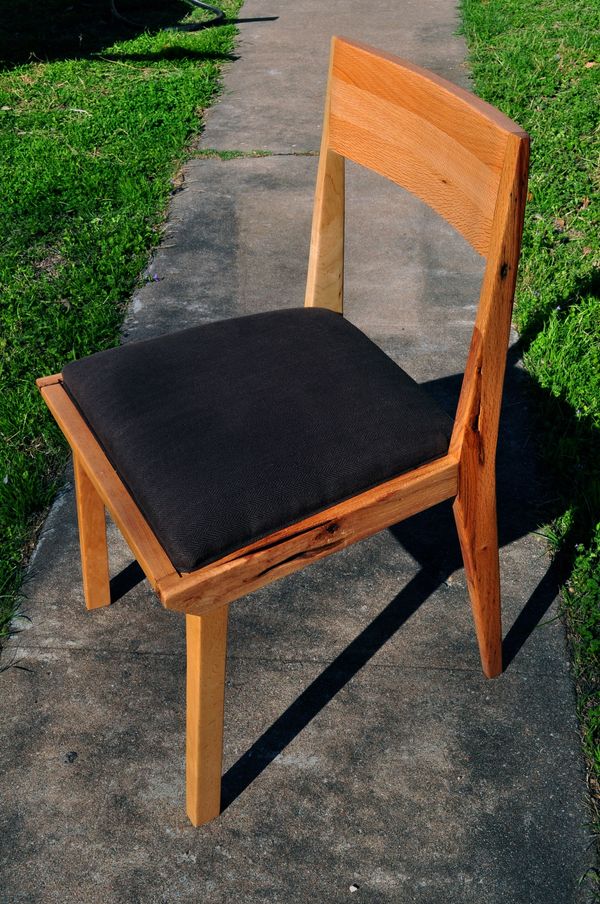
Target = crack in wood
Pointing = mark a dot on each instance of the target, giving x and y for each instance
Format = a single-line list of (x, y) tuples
[(303, 554)]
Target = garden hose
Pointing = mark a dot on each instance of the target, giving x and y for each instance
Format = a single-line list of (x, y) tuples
[(219, 16)]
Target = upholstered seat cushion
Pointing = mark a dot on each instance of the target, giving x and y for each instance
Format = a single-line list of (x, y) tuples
[(228, 431)]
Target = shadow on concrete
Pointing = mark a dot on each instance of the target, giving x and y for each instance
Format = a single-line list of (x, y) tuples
[(351, 660), (318, 694), (431, 540), (533, 611), (125, 581)]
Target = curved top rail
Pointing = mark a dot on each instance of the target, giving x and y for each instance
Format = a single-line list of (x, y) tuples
[(433, 138)]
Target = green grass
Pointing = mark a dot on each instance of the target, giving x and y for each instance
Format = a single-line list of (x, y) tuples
[(539, 63), (89, 147)]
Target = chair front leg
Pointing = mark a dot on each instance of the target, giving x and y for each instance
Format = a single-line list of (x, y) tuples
[(206, 637), (92, 540), (475, 517)]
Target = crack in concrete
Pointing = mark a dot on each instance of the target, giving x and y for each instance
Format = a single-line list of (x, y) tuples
[(229, 155), (474, 670)]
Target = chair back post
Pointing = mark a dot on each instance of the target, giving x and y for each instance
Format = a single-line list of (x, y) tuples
[(477, 418), (325, 278), (475, 435)]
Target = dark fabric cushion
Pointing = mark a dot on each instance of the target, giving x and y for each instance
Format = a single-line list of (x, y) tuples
[(228, 431)]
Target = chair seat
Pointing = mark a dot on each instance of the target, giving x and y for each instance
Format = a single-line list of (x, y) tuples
[(226, 432)]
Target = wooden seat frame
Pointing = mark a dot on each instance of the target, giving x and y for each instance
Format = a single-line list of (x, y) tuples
[(469, 163)]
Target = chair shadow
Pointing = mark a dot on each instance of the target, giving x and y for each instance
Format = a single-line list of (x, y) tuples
[(524, 502), (128, 578), (318, 694), (533, 611), (431, 540), (351, 660)]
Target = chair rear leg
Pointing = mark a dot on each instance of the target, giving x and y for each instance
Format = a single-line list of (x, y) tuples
[(475, 517), (206, 656), (92, 540)]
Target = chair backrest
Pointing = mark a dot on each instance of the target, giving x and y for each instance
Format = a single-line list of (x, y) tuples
[(458, 154)]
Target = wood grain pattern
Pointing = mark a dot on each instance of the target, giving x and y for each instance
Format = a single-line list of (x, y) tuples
[(206, 641), (130, 521), (48, 381), (325, 278), (92, 539), (481, 392), (439, 142), (295, 547), (476, 426)]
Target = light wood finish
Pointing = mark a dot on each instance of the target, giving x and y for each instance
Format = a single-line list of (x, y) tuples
[(92, 539), (325, 277), (476, 427), (481, 391), (295, 547), (128, 518), (48, 381), (206, 640), (427, 135), (469, 163)]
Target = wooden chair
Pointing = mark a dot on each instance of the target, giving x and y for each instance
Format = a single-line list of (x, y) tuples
[(190, 429)]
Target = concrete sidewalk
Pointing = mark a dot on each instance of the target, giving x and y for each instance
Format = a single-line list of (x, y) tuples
[(363, 746)]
